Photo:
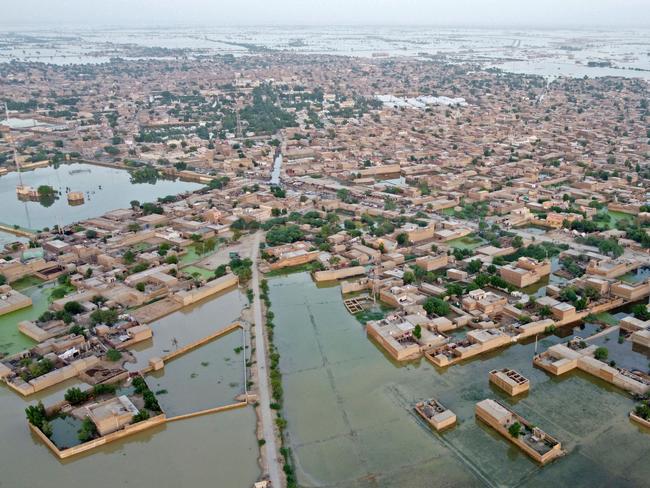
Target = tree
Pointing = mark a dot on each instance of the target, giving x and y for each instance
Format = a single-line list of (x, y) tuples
[(417, 331), (73, 307), (128, 257), (91, 234), (454, 289), (113, 355), (3, 279), (402, 239), (36, 414), (434, 305), (601, 353), (408, 277), (209, 245), (474, 266), (517, 242), (641, 312), (75, 396), (87, 431), (515, 429), (108, 317)]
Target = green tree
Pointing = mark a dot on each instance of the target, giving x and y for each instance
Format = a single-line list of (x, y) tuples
[(75, 396), (402, 239), (73, 307), (515, 429), (113, 355), (434, 305), (474, 266), (417, 331), (601, 353), (408, 277)]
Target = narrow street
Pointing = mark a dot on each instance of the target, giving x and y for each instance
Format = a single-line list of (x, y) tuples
[(262, 375)]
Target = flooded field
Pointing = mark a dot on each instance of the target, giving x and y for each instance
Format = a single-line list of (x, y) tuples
[(545, 52), (351, 423), (105, 189), (189, 325)]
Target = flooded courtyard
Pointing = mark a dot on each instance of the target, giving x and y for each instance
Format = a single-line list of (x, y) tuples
[(351, 423), (212, 450)]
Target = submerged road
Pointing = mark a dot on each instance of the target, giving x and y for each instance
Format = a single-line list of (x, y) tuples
[(272, 460)]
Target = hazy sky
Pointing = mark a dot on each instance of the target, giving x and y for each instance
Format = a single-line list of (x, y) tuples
[(517, 13)]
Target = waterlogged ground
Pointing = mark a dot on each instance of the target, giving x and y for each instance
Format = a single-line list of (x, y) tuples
[(351, 424)]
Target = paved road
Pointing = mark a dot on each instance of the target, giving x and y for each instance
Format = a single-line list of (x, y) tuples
[(262, 374)]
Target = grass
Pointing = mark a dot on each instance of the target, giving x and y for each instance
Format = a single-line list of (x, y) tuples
[(467, 242), (202, 272), (607, 318)]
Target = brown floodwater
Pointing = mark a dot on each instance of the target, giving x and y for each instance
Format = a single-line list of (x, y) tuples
[(351, 422), (218, 450)]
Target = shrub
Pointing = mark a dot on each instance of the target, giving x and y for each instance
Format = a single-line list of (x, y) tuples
[(104, 389), (601, 353), (140, 416), (515, 429), (417, 331), (75, 396)]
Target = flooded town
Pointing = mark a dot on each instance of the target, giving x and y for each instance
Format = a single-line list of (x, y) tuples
[(319, 257)]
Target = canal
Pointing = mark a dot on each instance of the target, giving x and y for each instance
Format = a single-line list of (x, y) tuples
[(351, 423), (104, 189)]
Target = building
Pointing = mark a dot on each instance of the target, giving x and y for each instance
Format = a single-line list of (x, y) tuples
[(532, 440), (509, 381), (526, 271)]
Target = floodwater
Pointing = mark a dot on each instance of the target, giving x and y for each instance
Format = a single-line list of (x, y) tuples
[(105, 189), (12, 341), (351, 423), (212, 450), (189, 325), (7, 238), (208, 377), (546, 52)]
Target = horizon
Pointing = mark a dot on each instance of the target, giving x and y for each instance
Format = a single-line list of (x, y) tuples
[(406, 13)]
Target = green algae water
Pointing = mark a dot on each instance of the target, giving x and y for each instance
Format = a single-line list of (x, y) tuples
[(11, 340), (351, 423)]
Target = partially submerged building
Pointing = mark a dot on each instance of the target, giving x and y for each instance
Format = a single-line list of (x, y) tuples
[(532, 440)]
